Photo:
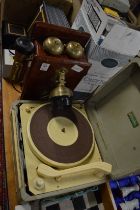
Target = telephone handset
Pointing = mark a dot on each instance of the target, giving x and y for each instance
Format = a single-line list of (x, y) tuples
[(24, 48)]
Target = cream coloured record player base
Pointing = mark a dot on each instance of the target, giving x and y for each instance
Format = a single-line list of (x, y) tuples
[(43, 180)]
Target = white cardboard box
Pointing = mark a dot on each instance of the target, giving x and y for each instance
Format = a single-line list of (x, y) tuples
[(91, 15), (106, 61)]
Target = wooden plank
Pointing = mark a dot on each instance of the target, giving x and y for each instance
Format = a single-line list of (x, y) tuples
[(9, 95), (107, 197)]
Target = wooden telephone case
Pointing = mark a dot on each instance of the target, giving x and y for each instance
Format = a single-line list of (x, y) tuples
[(40, 76)]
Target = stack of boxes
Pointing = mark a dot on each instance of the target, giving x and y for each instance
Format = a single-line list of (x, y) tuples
[(105, 57)]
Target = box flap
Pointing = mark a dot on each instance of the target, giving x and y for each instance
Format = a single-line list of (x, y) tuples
[(114, 112)]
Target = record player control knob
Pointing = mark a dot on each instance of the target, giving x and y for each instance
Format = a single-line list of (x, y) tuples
[(39, 184)]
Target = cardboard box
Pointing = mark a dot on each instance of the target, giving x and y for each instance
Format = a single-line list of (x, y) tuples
[(106, 59), (93, 16), (49, 14), (105, 64), (65, 5)]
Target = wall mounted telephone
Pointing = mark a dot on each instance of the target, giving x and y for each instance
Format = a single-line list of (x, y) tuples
[(36, 67)]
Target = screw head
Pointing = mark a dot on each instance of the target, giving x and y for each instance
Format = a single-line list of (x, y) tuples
[(28, 110)]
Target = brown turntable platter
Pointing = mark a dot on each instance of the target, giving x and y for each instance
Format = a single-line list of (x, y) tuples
[(61, 139)]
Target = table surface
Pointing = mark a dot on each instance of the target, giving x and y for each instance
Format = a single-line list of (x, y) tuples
[(9, 95)]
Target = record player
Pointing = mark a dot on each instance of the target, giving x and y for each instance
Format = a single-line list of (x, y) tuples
[(61, 146), (54, 146)]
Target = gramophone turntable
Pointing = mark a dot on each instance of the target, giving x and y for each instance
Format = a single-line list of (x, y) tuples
[(54, 146)]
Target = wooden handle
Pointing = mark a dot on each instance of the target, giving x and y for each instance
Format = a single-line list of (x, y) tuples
[(101, 168)]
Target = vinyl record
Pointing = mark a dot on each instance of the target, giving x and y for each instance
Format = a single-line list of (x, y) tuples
[(61, 139)]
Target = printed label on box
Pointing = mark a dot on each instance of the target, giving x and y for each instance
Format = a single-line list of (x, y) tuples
[(44, 66), (77, 68), (89, 83)]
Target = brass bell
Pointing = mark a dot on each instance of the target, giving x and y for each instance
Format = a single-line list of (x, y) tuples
[(74, 49), (53, 45), (61, 89)]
